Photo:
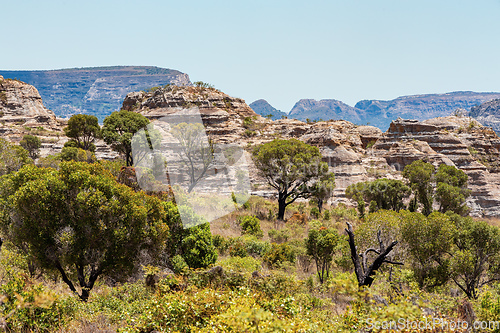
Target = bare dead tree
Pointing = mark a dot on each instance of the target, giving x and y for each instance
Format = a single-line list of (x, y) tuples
[(366, 275)]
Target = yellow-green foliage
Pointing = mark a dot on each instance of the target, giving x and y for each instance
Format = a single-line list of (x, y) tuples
[(32, 307), (241, 265)]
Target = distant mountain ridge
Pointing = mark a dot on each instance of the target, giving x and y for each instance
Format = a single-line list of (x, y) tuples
[(488, 114), (380, 113), (325, 109), (265, 109), (94, 90)]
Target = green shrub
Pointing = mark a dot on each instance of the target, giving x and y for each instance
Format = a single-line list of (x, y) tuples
[(279, 236), (251, 225), (179, 264), (256, 247), (240, 264), (341, 212), (29, 307), (77, 154), (237, 248), (279, 255), (198, 248), (220, 243), (249, 133), (315, 212)]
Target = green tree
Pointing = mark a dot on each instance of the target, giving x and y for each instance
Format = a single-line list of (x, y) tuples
[(190, 237), (449, 246), (321, 245), (83, 129), (80, 222), (32, 144), (323, 189), (291, 167), (12, 157), (385, 193), (475, 259), (451, 190), (428, 240), (119, 128), (77, 155), (419, 175)]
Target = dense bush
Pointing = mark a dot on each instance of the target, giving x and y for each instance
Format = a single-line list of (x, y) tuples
[(279, 236), (197, 246), (279, 254), (237, 248), (251, 225), (31, 307)]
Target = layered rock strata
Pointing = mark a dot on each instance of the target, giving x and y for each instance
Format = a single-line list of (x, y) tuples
[(354, 153)]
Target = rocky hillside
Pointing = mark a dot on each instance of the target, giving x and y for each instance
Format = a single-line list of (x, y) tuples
[(22, 112), (97, 91), (488, 114), (265, 109), (381, 113), (325, 109), (354, 153), (420, 107)]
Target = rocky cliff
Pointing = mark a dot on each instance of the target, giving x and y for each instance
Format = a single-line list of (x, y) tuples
[(488, 114), (354, 153), (97, 91), (23, 112), (459, 141)]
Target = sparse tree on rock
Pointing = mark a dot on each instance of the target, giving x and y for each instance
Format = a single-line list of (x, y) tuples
[(12, 157), (196, 150), (419, 175), (451, 190), (323, 189), (119, 128), (83, 129), (32, 144)]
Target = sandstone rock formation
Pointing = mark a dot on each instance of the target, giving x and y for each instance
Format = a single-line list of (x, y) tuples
[(354, 153), (488, 114), (381, 113), (459, 141), (97, 91), (22, 112)]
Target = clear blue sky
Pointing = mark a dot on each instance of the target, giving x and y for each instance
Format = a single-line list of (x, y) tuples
[(281, 51)]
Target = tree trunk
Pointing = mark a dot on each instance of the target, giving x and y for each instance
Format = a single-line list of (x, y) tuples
[(281, 205), (281, 209), (365, 274), (320, 205)]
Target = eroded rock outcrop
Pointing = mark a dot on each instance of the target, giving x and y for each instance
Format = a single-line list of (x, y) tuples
[(354, 153), (22, 112), (458, 141)]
